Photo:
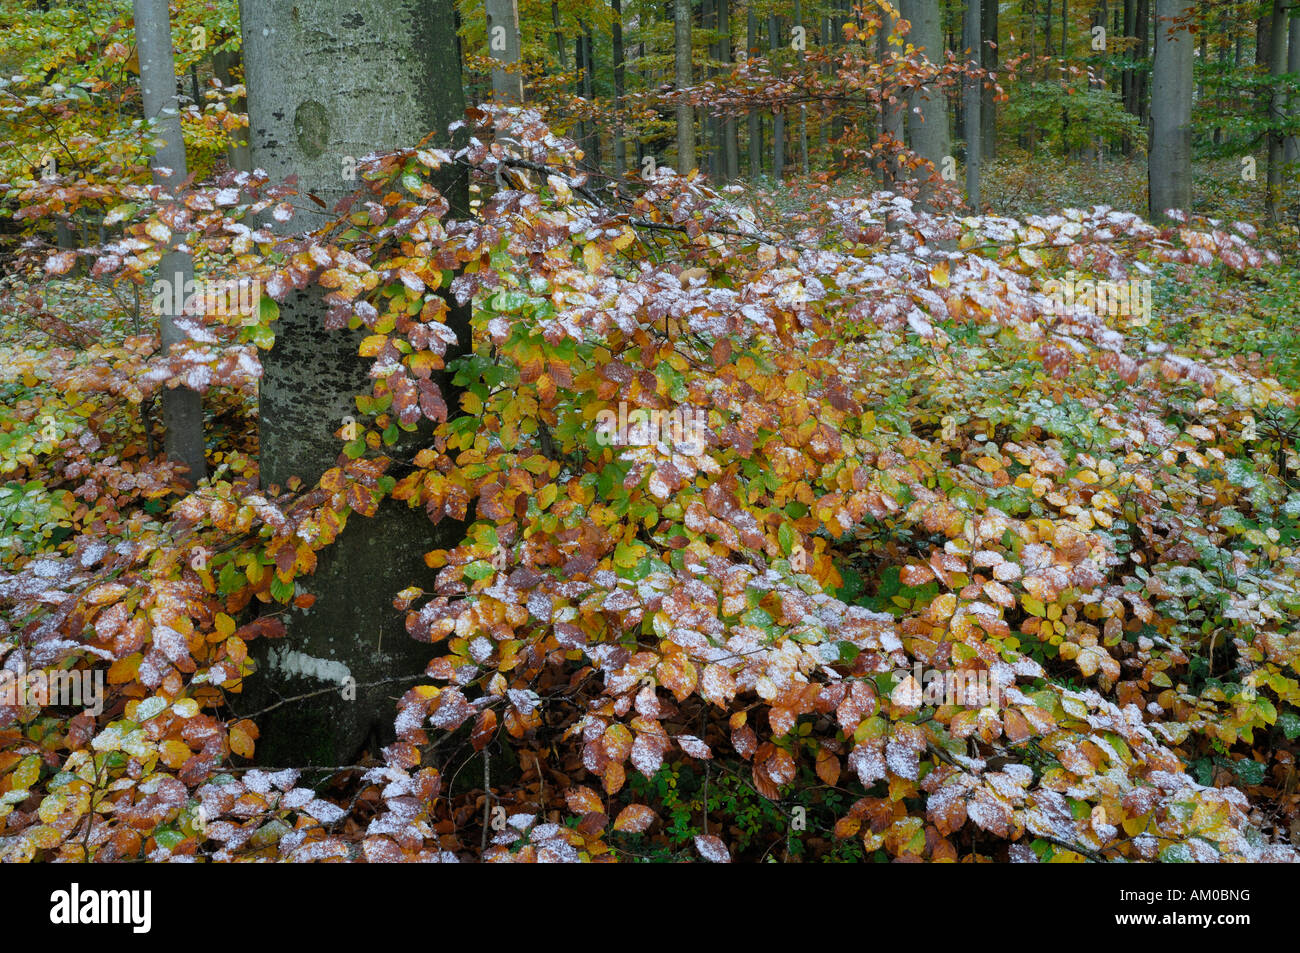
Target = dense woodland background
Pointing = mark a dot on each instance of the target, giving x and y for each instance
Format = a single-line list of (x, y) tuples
[(524, 430)]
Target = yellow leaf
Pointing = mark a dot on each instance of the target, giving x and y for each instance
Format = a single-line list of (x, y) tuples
[(241, 741), (546, 496), (372, 345), (43, 837), (174, 753), (28, 770)]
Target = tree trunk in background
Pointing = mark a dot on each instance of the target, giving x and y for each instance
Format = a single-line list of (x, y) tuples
[(837, 44), (329, 81), (223, 67), (561, 51), (891, 119), (182, 408), (778, 115), (824, 125), (972, 92), (1047, 33), (682, 79), (1145, 54), (927, 121), (1263, 34), (616, 39), (803, 110), (1291, 153), (711, 125), (504, 48), (1277, 107), (730, 144), (989, 57), (1169, 163), (755, 119), (592, 144), (1126, 75)]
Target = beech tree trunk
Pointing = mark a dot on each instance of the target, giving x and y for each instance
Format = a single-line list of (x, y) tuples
[(330, 81), (616, 42), (989, 57), (730, 144), (778, 116), (182, 408), (891, 118), (1169, 162), (755, 119), (223, 65), (927, 121), (1291, 153), (803, 110), (682, 79), (971, 100), (504, 48), (1277, 107)]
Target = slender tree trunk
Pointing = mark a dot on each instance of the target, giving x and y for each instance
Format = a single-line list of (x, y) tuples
[(1264, 34), (1145, 54), (620, 146), (592, 145), (803, 110), (329, 81), (927, 121), (1277, 107), (971, 100), (837, 44), (1169, 162), (754, 119), (989, 57), (504, 47), (182, 408), (1292, 151), (682, 68), (824, 124), (891, 120), (778, 115), (730, 145), (1126, 76), (1047, 33), (224, 63), (561, 50)]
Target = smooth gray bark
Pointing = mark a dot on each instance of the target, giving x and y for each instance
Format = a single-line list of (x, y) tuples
[(504, 48), (1277, 106), (616, 37), (223, 64), (927, 121), (682, 78), (891, 116), (182, 408), (1291, 153), (730, 144), (972, 98), (803, 110), (778, 116), (330, 81), (989, 57), (1169, 161), (754, 120)]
